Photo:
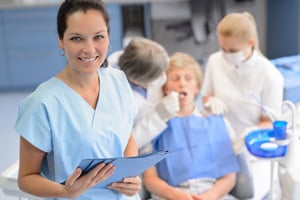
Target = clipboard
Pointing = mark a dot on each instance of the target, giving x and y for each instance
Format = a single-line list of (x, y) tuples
[(125, 166)]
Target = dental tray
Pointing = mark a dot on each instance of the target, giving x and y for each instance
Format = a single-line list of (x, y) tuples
[(260, 143)]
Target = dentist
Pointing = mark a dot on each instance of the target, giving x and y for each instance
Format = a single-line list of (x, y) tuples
[(144, 62)]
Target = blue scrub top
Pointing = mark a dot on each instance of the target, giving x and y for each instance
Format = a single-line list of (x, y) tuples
[(58, 121)]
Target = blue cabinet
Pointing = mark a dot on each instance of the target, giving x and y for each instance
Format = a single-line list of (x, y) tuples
[(29, 51), (283, 28), (3, 66), (116, 27), (31, 46)]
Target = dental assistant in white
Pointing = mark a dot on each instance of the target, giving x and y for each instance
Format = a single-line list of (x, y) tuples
[(238, 79)]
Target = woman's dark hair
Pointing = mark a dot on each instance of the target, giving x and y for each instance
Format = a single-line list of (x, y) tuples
[(70, 6)]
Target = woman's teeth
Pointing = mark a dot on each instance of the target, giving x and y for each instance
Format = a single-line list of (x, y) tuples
[(88, 59)]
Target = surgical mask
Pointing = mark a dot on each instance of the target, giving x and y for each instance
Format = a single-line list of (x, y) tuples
[(234, 58)]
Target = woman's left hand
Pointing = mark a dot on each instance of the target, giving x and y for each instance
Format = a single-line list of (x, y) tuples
[(130, 186)]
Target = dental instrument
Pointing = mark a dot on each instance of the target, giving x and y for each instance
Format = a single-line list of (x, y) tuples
[(270, 114)]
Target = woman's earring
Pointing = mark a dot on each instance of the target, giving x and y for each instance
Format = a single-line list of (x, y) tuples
[(61, 52)]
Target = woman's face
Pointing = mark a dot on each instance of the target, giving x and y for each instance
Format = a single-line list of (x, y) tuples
[(183, 81), (234, 50), (231, 44), (85, 41)]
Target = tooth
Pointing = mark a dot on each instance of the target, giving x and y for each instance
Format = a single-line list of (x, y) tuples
[(87, 59)]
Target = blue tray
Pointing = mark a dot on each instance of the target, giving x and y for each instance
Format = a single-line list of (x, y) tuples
[(255, 141)]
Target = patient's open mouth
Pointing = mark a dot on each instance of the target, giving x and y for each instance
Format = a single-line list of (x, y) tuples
[(182, 94)]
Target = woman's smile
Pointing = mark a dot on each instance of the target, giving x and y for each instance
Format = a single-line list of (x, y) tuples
[(88, 60)]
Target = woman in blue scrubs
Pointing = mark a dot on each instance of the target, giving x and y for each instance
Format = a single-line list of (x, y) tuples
[(85, 111)]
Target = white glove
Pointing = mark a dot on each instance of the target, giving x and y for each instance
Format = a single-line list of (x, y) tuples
[(168, 106), (216, 106)]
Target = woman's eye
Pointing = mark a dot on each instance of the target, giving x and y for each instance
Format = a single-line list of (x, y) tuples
[(230, 50), (99, 37), (75, 38)]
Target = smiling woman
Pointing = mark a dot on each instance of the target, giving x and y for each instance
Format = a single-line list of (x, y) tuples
[(65, 119), (85, 42)]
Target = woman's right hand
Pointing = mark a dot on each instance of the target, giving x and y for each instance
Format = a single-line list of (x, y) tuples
[(77, 184)]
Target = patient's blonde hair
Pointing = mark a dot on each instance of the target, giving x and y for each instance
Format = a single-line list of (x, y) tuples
[(239, 25)]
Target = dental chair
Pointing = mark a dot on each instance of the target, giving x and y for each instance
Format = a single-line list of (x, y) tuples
[(244, 188)]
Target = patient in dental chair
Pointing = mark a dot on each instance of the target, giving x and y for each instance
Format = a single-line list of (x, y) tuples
[(203, 164)]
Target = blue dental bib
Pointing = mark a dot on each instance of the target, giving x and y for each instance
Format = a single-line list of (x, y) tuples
[(201, 149)]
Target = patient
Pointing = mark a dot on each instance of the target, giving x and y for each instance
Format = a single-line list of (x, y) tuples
[(202, 165)]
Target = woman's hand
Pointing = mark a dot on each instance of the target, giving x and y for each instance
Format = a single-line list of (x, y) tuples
[(130, 186), (77, 184)]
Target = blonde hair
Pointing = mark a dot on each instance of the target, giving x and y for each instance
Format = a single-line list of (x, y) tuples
[(180, 60), (239, 25)]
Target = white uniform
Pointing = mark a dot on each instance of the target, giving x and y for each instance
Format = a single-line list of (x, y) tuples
[(148, 123), (244, 88)]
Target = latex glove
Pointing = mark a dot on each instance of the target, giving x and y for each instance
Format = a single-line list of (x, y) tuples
[(216, 106), (168, 106)]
